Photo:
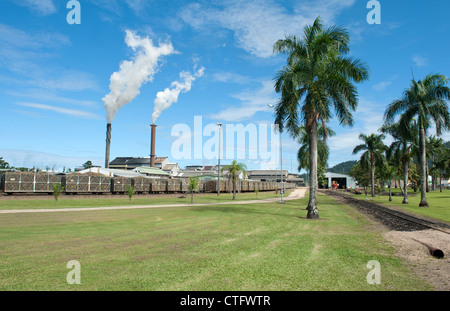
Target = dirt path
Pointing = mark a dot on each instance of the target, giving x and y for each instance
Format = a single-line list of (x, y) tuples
[(435, 272), (298, 193)]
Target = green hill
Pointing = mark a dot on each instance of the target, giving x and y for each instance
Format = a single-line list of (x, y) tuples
[(343, 168)]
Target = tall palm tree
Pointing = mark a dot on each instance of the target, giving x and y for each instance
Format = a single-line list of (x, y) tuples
[(405, 137), (322, 148), (234, 170), (374, 146), (316, 78), (434, 146), (424, 100)]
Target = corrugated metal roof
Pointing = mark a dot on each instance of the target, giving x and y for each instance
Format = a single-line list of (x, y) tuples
[(170, 166), (329, 174), (112, 172), (152, 171), (267, 172), (130, 161)]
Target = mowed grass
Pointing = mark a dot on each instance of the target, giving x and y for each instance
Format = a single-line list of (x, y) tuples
[(253, 247), (439, 202), (73, 201)]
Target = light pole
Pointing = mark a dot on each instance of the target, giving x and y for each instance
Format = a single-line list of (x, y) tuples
[(281, 161), (218, 176)]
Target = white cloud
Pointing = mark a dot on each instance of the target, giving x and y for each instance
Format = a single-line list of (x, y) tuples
[(136, 5), (368, 119), (381, 86), (11, 36), (71, 112), (50, 96), (29, 53), (252, 101), (420, 61), (43, 7), (257, 25), (344, 141), (230, 77)]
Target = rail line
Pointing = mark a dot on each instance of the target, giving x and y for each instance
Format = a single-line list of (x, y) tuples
[(393, 219)]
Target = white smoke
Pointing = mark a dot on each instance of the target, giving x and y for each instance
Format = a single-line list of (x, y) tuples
[(166, 98), (125, 83)]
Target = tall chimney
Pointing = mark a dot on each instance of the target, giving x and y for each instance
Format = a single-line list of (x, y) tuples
[(152, 144), (108, 144)]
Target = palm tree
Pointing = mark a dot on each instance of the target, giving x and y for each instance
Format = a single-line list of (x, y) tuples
[(316, 78), (426, 101), (400, 150), (57, 190), (375, 148), (130, 191), (389, 172), (434, 146), (322, 148), (234, 170), (193, 187), (3, 164)]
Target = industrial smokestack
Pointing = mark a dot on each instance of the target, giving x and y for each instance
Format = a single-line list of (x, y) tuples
[(108, 144), (152, 146)]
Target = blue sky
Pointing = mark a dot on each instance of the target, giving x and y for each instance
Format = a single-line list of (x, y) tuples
[(53, 76)]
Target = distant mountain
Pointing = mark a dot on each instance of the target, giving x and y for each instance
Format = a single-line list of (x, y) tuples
[(343, 168)]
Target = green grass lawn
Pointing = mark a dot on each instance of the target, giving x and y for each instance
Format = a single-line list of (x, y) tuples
[(439, 203), (71, 201), (256, 247)]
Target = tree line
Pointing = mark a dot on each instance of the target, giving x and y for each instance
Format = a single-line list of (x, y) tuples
[(318, 83)]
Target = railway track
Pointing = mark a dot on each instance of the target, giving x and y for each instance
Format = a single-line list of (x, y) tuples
[(393, 219)]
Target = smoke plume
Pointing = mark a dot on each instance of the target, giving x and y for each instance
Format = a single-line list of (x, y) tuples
[(125, 83), (166, 98)]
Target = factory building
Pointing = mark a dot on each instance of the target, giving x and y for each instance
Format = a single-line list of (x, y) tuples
[(343, 181), (268, 175), (131, 163)]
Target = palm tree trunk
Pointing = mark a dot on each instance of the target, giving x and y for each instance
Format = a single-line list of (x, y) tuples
[(192, 196), (234, 190), (372, 177), (440, 180), (433, 175), (423, 168), (313, 212), (405, 182), (390, 192)]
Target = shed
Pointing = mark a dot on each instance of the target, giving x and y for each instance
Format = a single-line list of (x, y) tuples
[(343, 181)]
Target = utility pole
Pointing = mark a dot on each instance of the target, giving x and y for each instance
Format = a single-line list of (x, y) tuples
[(218, 176), (281, 160)]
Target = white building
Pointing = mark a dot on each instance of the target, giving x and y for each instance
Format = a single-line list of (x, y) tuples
[(343, 181)]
